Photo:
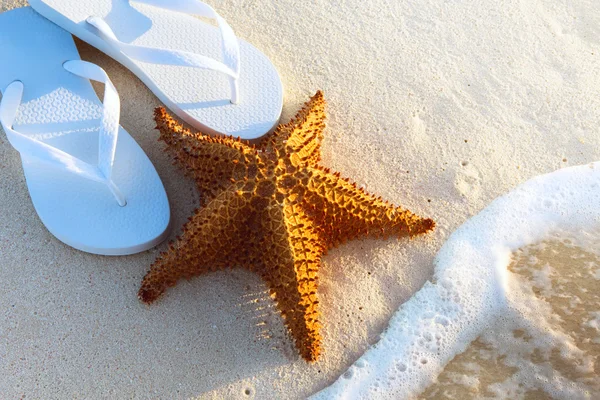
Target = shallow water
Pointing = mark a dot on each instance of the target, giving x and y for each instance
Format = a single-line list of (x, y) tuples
[(547, 345)]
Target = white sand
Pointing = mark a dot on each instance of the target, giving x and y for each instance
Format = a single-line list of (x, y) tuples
[(453, 102)]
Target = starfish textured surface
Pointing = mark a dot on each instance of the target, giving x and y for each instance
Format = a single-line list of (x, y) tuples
[(272, 209)]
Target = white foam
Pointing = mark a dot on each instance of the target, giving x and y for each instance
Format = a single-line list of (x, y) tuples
[(469, 288)]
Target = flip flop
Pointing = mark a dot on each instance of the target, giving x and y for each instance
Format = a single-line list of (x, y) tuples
[(204, 74), (91, 184)]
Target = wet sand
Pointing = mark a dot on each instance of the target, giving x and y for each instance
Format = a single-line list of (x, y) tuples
[(550, 349)]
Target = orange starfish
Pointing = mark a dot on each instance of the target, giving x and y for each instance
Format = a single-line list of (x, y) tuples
[(273, 210)]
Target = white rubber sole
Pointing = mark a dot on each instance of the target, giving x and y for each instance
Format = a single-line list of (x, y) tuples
[(62, 110), (200, 97)]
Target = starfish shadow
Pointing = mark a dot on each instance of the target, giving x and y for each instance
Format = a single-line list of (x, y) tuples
[(269, 328)]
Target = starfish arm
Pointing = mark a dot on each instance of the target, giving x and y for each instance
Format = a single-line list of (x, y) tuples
[(213, 162), (303, 135), (346, 211), (207, 244), (291, 266)]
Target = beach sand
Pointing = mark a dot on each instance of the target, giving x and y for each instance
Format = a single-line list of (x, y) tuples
[(538, 355), (438, 107)]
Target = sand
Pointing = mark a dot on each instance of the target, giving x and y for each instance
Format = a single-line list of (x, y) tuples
[(439, 107), (555, 353)]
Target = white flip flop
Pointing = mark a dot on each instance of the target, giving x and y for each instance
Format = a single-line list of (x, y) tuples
[(204, 74), (91, 184)]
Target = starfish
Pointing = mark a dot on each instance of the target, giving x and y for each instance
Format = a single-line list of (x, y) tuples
[(271, 209)]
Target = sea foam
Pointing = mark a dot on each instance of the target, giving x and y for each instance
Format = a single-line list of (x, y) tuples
[(469, 289)]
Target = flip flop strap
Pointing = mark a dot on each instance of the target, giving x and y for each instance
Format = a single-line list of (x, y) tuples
[(107, 137), (229, 42)]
